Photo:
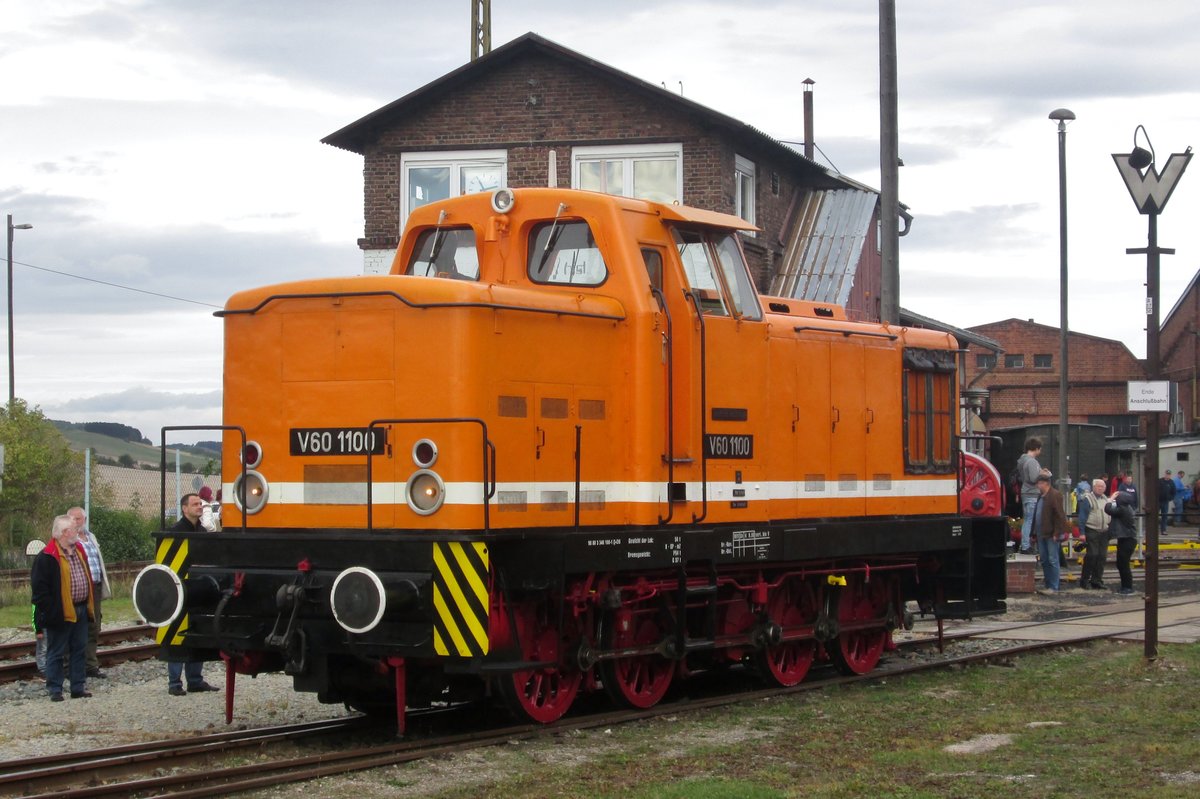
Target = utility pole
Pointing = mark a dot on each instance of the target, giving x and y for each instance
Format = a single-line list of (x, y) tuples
[(889, 167), (481, 28)]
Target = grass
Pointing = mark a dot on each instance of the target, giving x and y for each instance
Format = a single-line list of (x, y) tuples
[(114, 448), (15, 608), (1098, 721)]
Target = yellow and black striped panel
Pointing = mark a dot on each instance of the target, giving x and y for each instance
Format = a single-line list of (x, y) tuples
[(173, 553), (460, 598)]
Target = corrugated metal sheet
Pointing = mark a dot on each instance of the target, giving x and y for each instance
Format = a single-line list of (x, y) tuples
[(824, 244)]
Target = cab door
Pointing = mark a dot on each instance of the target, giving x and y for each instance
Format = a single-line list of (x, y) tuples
[(718, 363)]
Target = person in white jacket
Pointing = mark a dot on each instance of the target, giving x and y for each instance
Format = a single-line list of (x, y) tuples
[(210, 513)]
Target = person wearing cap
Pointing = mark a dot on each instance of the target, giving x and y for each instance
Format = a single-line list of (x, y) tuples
[(1121, 527), (1050, 527), (1166, 493), (209, 519)]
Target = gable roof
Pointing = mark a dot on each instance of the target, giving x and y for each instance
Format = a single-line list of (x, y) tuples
[(358, 136)]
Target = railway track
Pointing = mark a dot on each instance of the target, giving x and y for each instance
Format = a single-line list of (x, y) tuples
[(16, 658), (108, 772)]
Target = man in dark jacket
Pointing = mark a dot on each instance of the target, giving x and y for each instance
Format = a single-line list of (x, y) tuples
[(62, 599), (1166, 493), (190, 508), (1050, 527), (1122, 528)]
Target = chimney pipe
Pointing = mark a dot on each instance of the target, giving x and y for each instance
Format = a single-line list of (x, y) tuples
[(808, 118)]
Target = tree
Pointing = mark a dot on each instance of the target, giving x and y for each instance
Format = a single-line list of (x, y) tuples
[(42, 476), (126, 460), (123, 534)]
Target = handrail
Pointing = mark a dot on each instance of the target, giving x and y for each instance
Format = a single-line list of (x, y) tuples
[(488, 448), (662, 304), (846, 333), (495, 306), (578, 466), (162, 494), (703, 411)]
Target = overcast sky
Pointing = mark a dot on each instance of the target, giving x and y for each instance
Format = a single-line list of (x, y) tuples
[(173, 147)]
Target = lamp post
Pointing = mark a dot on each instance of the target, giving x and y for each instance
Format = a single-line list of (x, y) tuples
[(12, 391), (1062, 116), (1150, 191)]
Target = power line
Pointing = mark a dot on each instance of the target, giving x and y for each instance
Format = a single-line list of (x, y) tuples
[(119, 286)]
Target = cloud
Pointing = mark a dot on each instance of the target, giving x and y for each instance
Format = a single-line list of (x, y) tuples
[(140, 398), (991, 228)]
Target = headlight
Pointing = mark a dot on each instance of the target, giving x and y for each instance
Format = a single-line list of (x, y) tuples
[(252, 455), (503, 200), (252, 496), (424, 453), (425, 492)]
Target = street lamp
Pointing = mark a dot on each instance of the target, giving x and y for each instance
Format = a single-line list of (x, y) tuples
[(1062, 116), (1150, 191), (12, 392)]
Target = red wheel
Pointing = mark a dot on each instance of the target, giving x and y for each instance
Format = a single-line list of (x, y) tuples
[(541, 694), (982, 490), (639, 680), (857, 651), (791, 606)]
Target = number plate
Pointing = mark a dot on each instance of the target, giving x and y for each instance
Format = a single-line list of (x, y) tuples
[(724, 445), (305, 441)]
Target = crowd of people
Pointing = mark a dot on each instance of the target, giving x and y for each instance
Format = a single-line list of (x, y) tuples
[(69, 583), (1105, 510)]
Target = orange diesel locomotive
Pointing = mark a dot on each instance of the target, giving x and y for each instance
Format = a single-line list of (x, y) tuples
[(563, 446)]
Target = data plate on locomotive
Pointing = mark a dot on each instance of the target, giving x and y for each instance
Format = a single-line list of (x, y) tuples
[(306, 441)]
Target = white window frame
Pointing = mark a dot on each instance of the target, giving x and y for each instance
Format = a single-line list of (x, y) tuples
[(628, 154), (455, 160), (744, 173)]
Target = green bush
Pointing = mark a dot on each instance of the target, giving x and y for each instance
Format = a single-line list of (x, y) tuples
[(123, 534)]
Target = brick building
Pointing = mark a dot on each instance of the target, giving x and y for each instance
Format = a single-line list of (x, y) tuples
[(533, 113), (1023, 381), (1179, 355)]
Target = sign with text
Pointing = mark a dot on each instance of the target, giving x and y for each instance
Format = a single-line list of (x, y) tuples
[(1148, 396)]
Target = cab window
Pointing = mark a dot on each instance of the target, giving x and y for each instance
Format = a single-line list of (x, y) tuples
[(716, 273), (929, 417), (445, 252), (565, 253)]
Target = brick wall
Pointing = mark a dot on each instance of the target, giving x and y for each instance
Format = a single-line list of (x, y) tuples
[(1179, 345), (1099, 370)]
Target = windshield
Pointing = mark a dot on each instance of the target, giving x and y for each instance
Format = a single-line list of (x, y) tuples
[(716, 273), (445, 252), (565, 252)]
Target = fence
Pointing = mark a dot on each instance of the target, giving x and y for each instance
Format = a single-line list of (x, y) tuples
[(140, 490), (134, 494)]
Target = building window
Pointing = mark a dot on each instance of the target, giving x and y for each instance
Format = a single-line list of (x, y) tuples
[(1014, 361), (1043, 361), (428, 177), (744, 190), (1119, 425), (645, 171), (929, 416), (985, 360)]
